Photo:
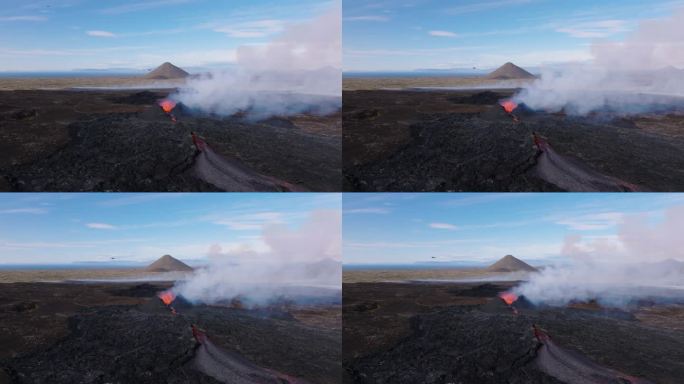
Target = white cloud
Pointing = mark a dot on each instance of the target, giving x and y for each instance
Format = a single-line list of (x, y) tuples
[(367, 18), (592, 222), (446, 226), (412, 244), (594, 29), (100, 226), (32, 211), (252, 29), (250, 222), (23, 18), (141, 6), (100, 34), (47, 246), (442, 34), (483, 6), (380, 211)]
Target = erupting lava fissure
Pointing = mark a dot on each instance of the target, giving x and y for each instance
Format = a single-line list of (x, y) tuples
[(167, 106), (508, 105), (167, 297), (508, 297)]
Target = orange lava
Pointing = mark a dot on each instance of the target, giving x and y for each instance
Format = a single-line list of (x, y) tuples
[(167, 297), (508, 105), (167, 105), (508, 297)]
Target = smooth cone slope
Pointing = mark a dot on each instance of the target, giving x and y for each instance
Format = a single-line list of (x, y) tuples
[(510, 263), (168, 263), (167, 71), (510, 71)]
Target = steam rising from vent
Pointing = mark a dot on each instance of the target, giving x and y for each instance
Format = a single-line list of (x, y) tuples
[(299, 264), (642, 262), (623, 77), (299, 72)]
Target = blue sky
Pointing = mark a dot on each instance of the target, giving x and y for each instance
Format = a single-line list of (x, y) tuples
[(59, 35), (405, 228), (402, 35), (52, 228)]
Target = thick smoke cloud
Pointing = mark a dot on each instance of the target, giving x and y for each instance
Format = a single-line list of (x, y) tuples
[(301, 265), (624, 77), (644, 261), (300, 71)]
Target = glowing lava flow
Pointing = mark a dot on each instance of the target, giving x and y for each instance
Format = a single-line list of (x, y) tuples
[(168, 106), (508, 297), (167, 297), (508, 105)]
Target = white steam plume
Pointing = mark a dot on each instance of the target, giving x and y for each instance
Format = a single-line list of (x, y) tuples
[(623, 77), (300, 265), (300, 71), (642, 262)]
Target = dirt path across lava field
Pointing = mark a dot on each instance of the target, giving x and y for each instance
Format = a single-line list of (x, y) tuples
[(572, 175), (231, 175)]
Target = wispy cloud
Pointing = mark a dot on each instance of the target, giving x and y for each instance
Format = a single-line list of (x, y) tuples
[(594, 29), (131, 199), (23, 18), (380, 211), (100, 34), (446, 226), (367, 18), (592, 222), (141, 6), (484, 198), (67, 244), (68, 52), (249, 222), (31, 211), (442, 34), (480, 6), (100, 226), (410, 244), (252, 29)]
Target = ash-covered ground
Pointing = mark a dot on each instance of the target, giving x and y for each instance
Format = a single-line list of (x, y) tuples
[(439, 140), (123, 333), (464, 333), (99, 140)]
